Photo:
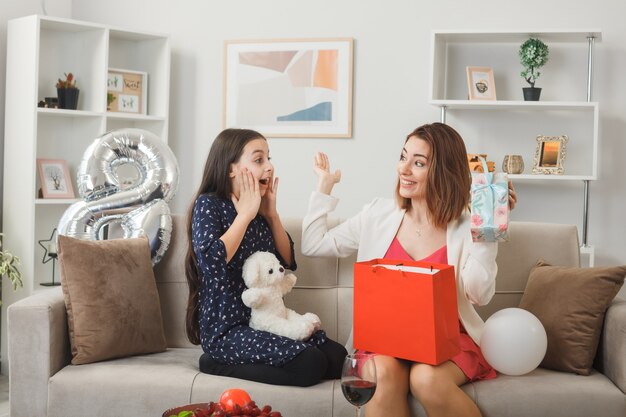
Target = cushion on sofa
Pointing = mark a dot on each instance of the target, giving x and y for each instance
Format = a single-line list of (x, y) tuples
[(111, 298), (571, 303)]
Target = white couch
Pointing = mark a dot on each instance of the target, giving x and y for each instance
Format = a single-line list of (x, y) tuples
[(44, 384)]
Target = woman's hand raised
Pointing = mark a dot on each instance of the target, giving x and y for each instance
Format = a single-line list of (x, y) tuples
[(325, 179)]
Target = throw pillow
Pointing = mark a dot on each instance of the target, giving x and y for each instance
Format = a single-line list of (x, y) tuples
[(571, 303), (111, 297)]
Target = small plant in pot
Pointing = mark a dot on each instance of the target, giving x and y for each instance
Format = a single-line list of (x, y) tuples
[(533, 55), (67, 92)]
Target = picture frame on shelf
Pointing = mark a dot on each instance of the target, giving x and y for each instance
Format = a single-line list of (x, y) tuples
[(550, 154), (127, 91), (55, 179), (480, 83), (289, 88)]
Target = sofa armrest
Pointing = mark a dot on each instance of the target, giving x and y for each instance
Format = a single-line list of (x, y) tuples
[(612, 358), (38, 347)]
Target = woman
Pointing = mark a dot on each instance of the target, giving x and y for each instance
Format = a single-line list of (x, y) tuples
[(233, 215), (428, 221)]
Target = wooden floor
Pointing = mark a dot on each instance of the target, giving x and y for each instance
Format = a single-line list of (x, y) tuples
[(4, 396)]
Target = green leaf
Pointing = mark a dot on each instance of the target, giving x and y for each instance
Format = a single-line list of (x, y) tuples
[(533, 54)]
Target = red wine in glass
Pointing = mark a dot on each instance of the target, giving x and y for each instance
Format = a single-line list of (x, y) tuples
[(357, 391), (358, 379)]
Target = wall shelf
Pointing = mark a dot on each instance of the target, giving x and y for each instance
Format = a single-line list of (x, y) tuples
[(515, 105), (542, 177), (56, 201), (41, 49), (138, 117), (509, 125), (67, 113)]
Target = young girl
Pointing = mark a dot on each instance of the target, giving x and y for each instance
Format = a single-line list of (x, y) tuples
[(233, 215), (428, 221)]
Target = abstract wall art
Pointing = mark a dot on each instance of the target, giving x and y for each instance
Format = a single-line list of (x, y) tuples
[(289, 88)]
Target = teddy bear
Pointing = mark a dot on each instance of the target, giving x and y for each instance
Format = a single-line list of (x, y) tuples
[(267, 283)]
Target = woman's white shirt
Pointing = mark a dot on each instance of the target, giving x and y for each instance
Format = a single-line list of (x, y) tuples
[(370, 232)]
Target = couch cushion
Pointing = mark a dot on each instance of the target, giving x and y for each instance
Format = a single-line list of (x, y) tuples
[(144, 385), (312, 271), (111, 298), (543, 392), (321, 301), (527, 243), (571, 303), (172, 285)]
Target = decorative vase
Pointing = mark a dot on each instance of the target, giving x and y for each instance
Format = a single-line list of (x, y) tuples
[(513, 164), (68, 98), (531, 93)]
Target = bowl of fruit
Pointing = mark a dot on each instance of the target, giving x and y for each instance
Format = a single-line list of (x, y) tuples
[(233, 402)]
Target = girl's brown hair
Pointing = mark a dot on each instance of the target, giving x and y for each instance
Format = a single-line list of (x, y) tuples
[(227, 149), (449, 180)]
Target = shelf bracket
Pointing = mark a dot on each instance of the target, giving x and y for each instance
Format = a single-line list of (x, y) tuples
[(591, 41), (585, 211), (443, 114)]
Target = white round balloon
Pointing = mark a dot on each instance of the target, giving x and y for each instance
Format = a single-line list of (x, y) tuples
[(513, 341)]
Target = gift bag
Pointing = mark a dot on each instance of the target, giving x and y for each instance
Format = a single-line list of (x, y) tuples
[(489, 205), (406, 309)]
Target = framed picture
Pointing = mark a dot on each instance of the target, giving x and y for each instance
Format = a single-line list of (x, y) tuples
[(550, 154), (289, 88), (55, 178), (480, 83), (127, 91)]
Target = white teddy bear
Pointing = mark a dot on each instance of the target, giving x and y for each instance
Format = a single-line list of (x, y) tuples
[(267, 284)]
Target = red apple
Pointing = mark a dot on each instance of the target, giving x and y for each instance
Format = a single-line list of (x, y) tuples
[(233, 396)]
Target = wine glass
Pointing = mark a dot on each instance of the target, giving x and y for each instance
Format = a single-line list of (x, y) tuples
[(358, 379)]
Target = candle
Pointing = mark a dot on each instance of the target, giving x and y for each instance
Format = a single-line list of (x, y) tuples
[(52, 248)]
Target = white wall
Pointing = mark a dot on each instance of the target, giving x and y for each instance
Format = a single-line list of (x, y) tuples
[(391, 72)]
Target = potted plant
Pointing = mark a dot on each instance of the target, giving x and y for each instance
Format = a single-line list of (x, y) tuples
[(533, 55), (110, 99), (67, 92), (8, 267)]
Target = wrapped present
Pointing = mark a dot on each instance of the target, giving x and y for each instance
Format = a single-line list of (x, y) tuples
[(489, 206), (406, 309)]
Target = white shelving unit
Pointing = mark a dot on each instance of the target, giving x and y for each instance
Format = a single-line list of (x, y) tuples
[(510, 125), (39, 51)]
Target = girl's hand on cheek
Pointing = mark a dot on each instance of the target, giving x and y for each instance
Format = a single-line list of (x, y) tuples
[(268, 202), (249, 200)]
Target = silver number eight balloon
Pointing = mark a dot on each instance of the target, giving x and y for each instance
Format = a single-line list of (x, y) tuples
[(138, 206)]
